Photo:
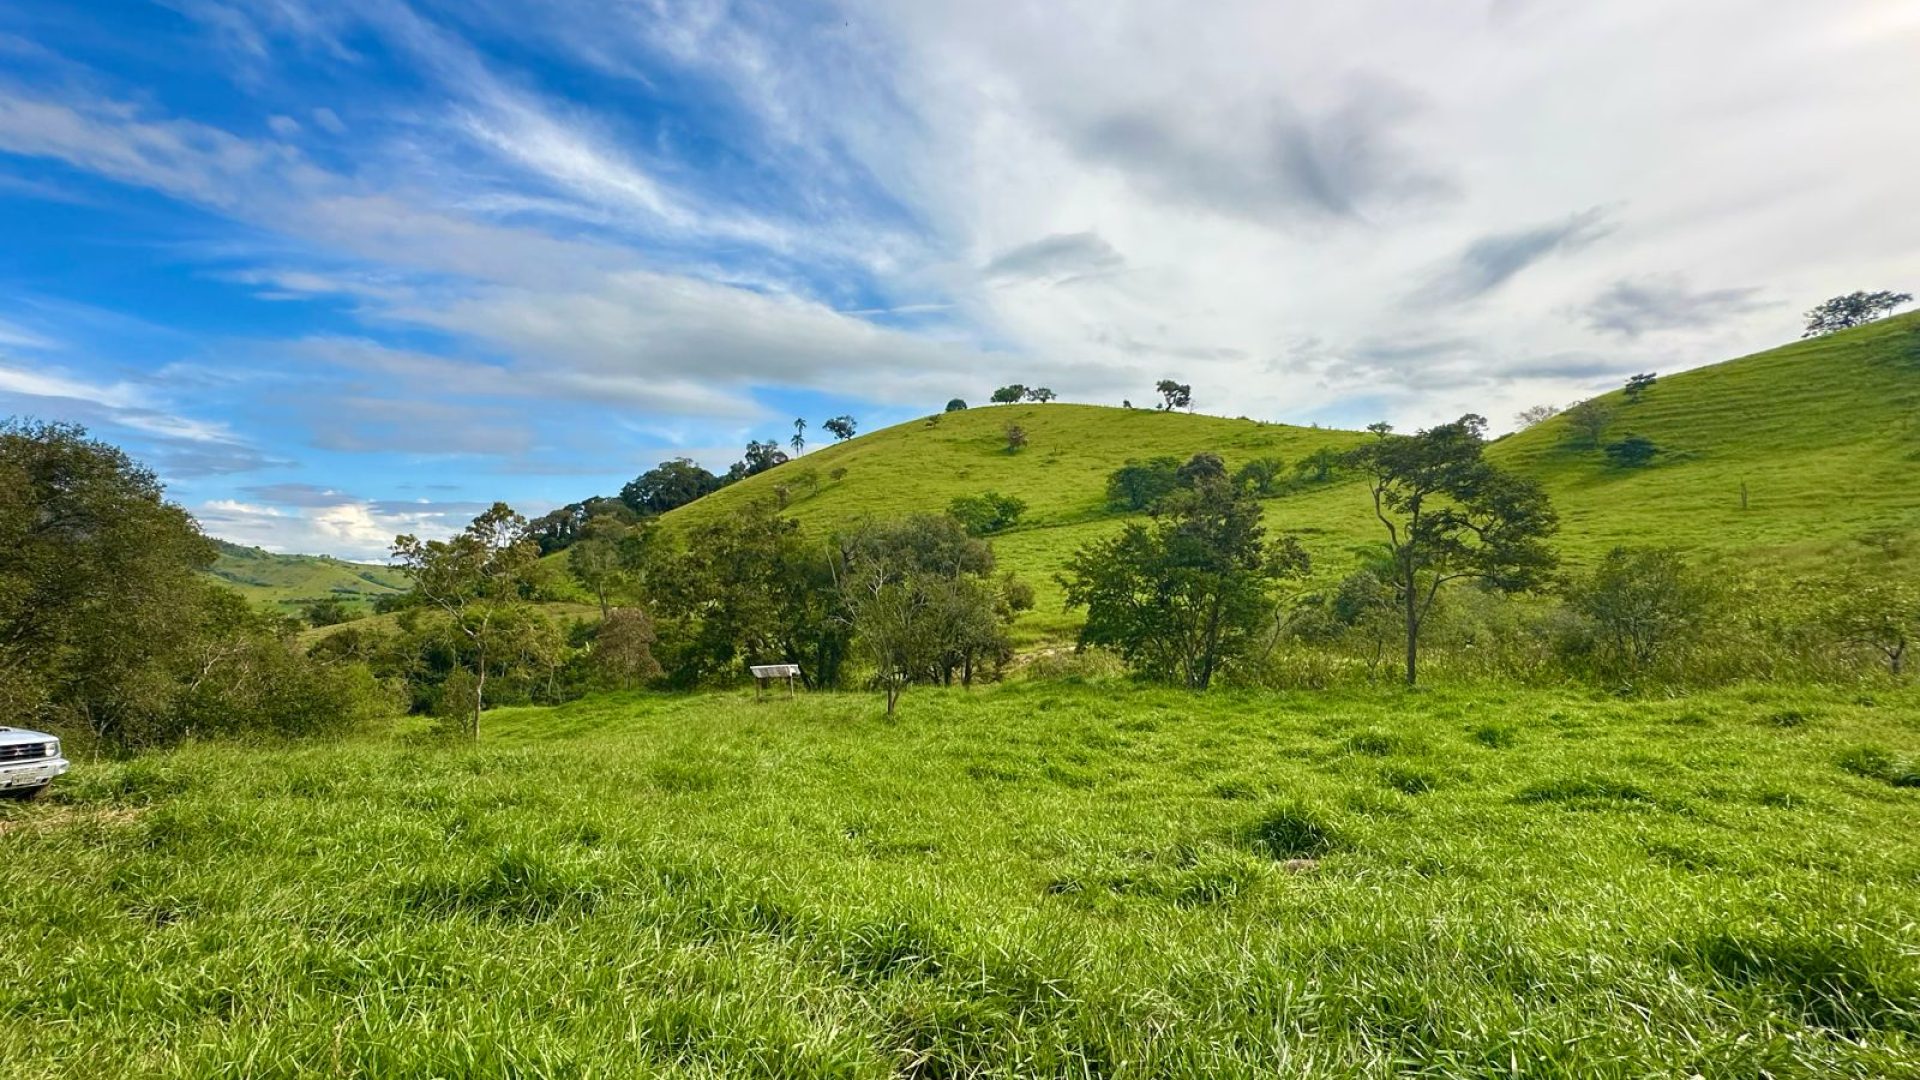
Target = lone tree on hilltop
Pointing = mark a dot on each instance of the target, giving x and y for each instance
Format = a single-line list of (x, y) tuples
[(1851, 310), (1180, 599), (1174, 395), (479, 579), (956, 405), (1639, 384), (841, 428), (1007, 395), (1450, 515), (1041, 394)]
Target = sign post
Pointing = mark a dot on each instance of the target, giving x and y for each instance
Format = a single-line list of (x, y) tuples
[(762, 673)]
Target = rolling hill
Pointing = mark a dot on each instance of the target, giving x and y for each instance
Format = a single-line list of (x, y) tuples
[(284, 582), (1823, 437)]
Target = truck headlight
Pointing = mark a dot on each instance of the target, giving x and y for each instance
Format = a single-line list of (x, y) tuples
[(53, 747)]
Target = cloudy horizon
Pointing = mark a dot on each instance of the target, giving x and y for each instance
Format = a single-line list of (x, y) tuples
[(344, 269)]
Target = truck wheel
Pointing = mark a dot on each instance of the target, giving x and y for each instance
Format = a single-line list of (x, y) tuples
[(25, 794)]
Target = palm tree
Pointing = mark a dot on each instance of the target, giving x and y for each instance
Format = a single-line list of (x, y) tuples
[(799, 440)]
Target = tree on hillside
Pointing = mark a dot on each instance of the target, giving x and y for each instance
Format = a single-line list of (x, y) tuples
[(1639, 384), (1007, 395), (1587, 423), (841, 427), (1182, 598), (623, 648), (956, 405), (799, 440), (1261, 476), (1851, 310), (1138, 485), (1450, 515), (479, 580), (1041, 394), (1380, 427), (326, 611), (609, 558), (1174, 395), (986, 513), (760, 457), (668, 486), (1016, 438), (1535, 414)]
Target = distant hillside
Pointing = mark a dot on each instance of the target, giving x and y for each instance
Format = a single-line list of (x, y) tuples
[(1824, 434), (285, 582)]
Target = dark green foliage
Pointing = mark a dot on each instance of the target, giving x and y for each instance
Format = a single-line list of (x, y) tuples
[(841, 427), (1587, 423), (760, 457), (326, 611), (556, 530), (1320, 466), (986, 513), (1632, 452), (1262, 476), (1638, 607), (1639, 384), (1040, 395), (1008, 395), (1851, 310), (1291, 831), (668, 486), (956, 405), (1877, 763), (1138, 485), (1181, 598), (1450, 515), (1173, 395)]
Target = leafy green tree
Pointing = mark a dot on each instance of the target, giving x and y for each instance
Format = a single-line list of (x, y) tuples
[(556, 530), (623, 648), (1587, 422), (1007, 395), (1320, 466), (1632, 452), (843, 427), (1041, 395), (99, 603), (326, 611), (1639, 384), (1638, 606), (956, 405), (1450, 515), (1138, 485), (986, 513), (1262, 476), (1174, 395), (1182, 598), (667, 486), (1851, 310), (760, 457), (1878, 613), (480, 580), (608, 558)]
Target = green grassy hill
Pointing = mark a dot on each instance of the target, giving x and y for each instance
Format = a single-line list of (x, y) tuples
[(1822, 434), (284, 582)]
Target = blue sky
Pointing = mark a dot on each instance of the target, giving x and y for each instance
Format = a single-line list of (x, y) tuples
[(344, 269)]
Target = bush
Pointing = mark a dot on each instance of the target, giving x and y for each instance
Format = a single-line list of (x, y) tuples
[(1632, 452), (986, 513)]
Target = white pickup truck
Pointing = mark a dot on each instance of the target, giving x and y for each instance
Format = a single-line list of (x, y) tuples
[(29, 760)]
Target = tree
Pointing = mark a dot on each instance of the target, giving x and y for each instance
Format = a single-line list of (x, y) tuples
[(1877, 613), (986, 513), (1041, 394), (956, 405), (1380, 429), (1174, 395), (1320, 466), (1639, 384), (668, 486), (623, 648), (607, 558), (760, 457), (1588, 421), (1632, 452), (1639, 604), (1261, 476), (1138, 485), (799, 440), (1184, 597), (479, 580), (1016, 438), (326, 611), (1450, 515), (1851, 310), (843, 427), (1535, 414), (915, 592), (1007, 395), (556, 530)]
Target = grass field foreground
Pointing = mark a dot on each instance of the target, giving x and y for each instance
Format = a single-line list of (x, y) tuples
[(1034, 879)]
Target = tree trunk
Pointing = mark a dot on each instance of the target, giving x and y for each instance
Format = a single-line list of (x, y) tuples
[(479, 693), (1413, 628)]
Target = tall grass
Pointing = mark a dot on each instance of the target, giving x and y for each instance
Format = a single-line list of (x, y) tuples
[(1033, 879)]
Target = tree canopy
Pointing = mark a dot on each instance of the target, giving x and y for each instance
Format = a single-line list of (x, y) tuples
[(667, 486), (1853, 309)]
